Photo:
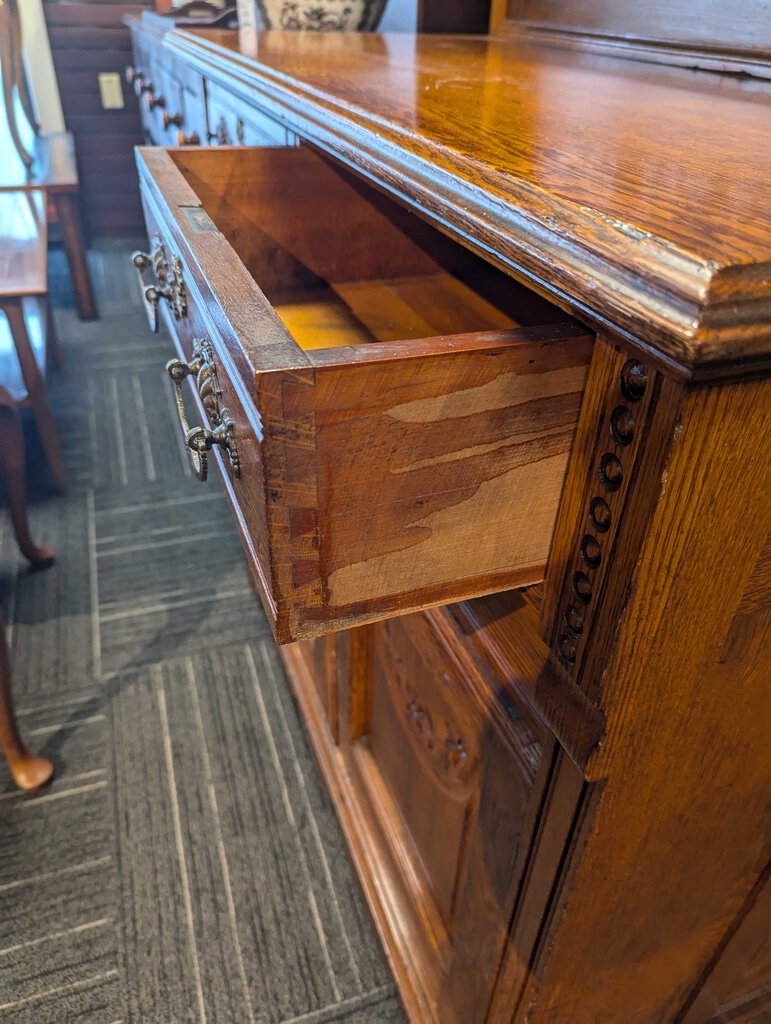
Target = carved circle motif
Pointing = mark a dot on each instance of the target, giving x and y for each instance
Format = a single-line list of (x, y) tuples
[(622, 425), (634, 380), (591, 550), (582, 587), (633, 384), (611, 471), (599, 513), (574, 620), (568, 649)]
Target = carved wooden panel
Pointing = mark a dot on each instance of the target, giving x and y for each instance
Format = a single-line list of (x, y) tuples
[(458, 769), (426, 748)]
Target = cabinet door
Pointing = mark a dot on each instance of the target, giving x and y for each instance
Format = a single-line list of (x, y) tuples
[(451, 773)]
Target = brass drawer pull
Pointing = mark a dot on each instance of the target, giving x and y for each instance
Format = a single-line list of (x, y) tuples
[(171, 119), (154, 101), (200, 440), (169, 283), (188, 140)]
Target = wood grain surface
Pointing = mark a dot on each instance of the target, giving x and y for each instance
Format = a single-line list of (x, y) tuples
[(556, 799), (633, 194), (380, 477), (680, 835), (23, 241)]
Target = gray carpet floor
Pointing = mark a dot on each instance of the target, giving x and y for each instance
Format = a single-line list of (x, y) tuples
[(185, 864)]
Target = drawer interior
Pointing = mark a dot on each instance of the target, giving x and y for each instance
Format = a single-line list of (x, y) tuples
[(403, 412), (342, 264)]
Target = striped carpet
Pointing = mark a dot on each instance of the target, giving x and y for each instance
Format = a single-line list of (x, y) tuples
[(185, 864)]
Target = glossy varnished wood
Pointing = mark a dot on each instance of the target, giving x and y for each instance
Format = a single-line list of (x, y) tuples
[(664, 31), (553, 164), (28, 771), (555, 798)]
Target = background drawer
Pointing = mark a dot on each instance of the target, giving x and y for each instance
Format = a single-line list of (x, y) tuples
[(232, 124)]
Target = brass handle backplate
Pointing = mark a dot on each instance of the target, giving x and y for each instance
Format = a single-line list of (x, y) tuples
[(200, 440), (172, 119), (169, 282)]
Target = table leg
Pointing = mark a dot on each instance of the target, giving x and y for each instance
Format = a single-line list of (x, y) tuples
[(36, 390), (12, 460), (75, 249), (53, 349)]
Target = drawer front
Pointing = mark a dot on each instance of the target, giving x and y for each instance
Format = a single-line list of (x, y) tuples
[(212, 403), (233, 124), (181, 120), (165, 99), (382, 477), (194, 128), (210, 400)]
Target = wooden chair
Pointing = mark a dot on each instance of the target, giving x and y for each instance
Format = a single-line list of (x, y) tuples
[(27, 334), (27, 769), (46, 164), (27, 342)]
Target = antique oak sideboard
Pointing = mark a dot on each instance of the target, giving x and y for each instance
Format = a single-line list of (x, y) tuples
[(478, 330)]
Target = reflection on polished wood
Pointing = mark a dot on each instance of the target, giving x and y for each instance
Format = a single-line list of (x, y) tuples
[(634, 193)]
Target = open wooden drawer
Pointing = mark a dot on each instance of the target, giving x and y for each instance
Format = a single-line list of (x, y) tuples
[(389, 433)]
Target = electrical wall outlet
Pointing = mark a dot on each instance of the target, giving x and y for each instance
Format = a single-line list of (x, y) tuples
[(111, 90)]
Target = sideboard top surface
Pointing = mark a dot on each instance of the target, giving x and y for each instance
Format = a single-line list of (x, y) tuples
[(637, 194)]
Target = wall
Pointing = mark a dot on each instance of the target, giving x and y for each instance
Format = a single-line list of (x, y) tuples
[(399, 16), (87, 38), (40, 66)]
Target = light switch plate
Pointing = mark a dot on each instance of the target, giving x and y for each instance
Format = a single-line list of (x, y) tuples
[(111, 90)]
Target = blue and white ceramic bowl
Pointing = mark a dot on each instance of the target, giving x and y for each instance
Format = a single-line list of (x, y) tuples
[(322, 15)]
